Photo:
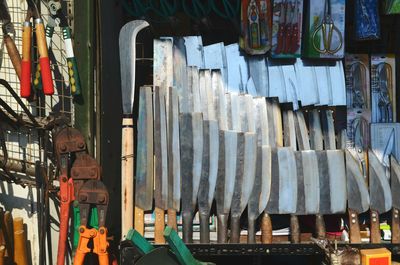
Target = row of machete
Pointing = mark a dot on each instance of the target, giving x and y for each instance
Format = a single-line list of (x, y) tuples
[(229, 155)]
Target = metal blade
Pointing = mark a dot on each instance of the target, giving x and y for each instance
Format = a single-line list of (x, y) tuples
[(180, 81), (316, 138), (236, 69), (226, 170), (259, 72), (309, 163), (289, 131), (275, 122), (379, 189), (194, 51), (287, 181), (395, 181), (197, 153), (215, 58), (250, 111), (194, 89), (357, 190), (221, 105), (328, 129), (203, 86), (234, 118), (174, 159), (160, 150), (127, 53), (380, 139), (245, 175), (303, 139), (261, 121), (144, 160)]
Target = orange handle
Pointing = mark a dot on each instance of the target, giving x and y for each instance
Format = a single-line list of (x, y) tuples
[(26, 60), (79, 258), (44, 60), (103, 259)]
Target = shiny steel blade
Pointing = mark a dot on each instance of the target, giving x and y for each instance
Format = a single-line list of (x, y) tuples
[(379, 189), (289, 136), (303, 139), (194, 51), (395, 181), (180, 81), (328, 129), (258, 70), (316, 138), (311, 181), (261, 121)]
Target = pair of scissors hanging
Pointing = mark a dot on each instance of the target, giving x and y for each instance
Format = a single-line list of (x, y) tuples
[(327, 29)]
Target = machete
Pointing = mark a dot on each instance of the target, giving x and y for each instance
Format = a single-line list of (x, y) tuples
[(208, 177), (395, 187), (380, 195), (357, 195), (174, 159), (127, 52), (225, 180), (316, 139), (194, 89), (261, 121), (191, 143), (144, 160), (160, 164)]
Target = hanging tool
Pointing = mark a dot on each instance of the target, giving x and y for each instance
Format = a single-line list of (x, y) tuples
[(281, 31), (326, 30), (57, 16), (44, 60), (92, 194), (127, 44), (385, 85), (293, 36), (8, 38)]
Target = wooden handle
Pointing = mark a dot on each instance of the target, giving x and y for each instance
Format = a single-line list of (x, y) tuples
[(127, 180), (25, 90), (159, 226), (2, 253), (44, 60), (395, 226), (139, 220), (13, 54), (235, 229), (355, 236), (222, 233), (320, 226), (20, 257), (375, 227), (9, 234), (18, 224), (266, 229), (171, 220), (294, 229), (204, 228)]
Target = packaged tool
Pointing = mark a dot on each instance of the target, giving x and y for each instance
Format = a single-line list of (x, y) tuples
[(383, 88), (256, 26), (391, 7), (367, 25), (325, 24), (358, 100), (287, 22)]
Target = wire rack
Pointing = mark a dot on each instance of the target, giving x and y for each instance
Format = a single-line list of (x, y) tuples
[(23, 144)]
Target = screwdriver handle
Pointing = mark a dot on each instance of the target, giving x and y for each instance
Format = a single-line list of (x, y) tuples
[(44, 60), (25, 91)]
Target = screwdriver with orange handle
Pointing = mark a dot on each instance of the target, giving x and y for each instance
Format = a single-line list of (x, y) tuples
[(44, 60)]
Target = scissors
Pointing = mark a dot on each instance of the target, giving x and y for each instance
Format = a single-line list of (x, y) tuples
[(327, 29)]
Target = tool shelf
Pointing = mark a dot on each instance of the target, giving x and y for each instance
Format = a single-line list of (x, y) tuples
[(232, 251)]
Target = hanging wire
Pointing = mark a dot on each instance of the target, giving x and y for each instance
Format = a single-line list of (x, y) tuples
[(135, 8), (164, 8), (230, 11)]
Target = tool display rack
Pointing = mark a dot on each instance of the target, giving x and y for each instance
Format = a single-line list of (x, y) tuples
[(23, 145)]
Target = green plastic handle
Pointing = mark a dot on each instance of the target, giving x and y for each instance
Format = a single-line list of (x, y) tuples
[(139, 242), (93, 222), (73, 73)]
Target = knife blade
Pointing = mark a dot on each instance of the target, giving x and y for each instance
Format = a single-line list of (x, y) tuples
[(395, 187)]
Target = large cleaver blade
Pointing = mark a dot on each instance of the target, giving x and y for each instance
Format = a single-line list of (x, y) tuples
[(395, 187), (357, 195), (380, 195)]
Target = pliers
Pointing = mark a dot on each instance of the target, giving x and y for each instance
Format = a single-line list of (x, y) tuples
[(44, 60), (57, 17), (92, 194)]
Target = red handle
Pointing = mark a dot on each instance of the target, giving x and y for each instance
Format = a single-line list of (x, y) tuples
[(295, 45), (26, 61), (281, 39), (287, 38)]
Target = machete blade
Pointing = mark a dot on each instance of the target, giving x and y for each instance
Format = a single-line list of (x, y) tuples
[(328, 129), (194, 89), (303, 139), (261, 121), (194, 51), (180, 81), (379, 190), (259, 72), (357, 190), (311, 182), (395, 181), (144, 160), (289, 131), (316, 138)]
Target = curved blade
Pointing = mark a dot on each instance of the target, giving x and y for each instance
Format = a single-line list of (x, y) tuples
[(395, 181), (357, 190), (261, 121), (316, 138), (144, 160), (379, 190), (311, 182), (127, 53), (303, 139)]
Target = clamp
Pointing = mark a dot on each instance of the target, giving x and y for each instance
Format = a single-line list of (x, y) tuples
[(57, 17), (92, 194), (44, 60)]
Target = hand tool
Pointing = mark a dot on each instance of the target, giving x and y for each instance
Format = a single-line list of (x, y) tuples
[(180, 77), (8, 38), (282, 26), (294, 34), (44, 60), (66, 142), (144, 160), (92, 194), (161, 167), (237, 69), (258, 70), (191, 146), (261, 121), (55, 17), (357, 195), (182, 253), (395, 185), (359, 94), (325, 31), (380, 195), (385, 94), (174, 158), (208, 177), (127, 51), (225, 180)]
